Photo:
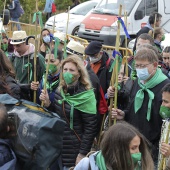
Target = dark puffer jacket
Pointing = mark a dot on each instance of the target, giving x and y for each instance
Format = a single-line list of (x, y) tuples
[(14, 87), (84, 124)]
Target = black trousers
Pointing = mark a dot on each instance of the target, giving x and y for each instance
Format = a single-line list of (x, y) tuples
[(48, 15)]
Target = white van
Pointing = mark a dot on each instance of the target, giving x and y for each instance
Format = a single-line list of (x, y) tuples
[(101, 23)]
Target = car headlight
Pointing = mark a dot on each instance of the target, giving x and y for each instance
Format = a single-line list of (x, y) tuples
[(106, 29), (82, 26), (114, 28)]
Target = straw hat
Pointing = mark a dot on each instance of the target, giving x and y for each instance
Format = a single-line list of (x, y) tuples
[(74, 47), (60, 36), (18, 37)]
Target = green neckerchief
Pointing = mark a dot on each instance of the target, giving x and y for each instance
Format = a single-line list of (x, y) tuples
[(100, 161), (84, 101), (50, 86), (6, 53), (39, 16), (155, 80), (119, 58), (30, 67)]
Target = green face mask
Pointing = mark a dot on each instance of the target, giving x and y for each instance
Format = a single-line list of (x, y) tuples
[(52, 68), (164, 112), (4, 47), (136, 157), (163, 38), (68, 78)]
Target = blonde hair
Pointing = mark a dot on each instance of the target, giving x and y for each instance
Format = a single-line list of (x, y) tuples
[(84, 77)]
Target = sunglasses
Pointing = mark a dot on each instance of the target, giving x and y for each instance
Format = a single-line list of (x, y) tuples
[(166, 58)]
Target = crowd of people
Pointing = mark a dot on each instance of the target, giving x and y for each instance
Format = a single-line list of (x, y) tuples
[(77, 88)]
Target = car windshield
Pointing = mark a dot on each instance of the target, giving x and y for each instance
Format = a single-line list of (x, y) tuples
[(112, 6), (83, 8)]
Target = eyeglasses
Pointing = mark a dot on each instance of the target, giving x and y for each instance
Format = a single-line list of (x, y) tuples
[(166, 58), (141, 65)]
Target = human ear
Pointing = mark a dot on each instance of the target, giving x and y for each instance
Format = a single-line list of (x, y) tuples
[(155, 64)]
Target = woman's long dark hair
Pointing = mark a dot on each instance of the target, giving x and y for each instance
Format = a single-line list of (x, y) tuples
[(6, 69), (41, 37), (115, 148)]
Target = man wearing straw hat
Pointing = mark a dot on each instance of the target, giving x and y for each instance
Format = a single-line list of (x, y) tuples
[(23, 57)]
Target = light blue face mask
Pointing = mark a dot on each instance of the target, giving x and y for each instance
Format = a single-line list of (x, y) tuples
[(46, 39), (143, 73)]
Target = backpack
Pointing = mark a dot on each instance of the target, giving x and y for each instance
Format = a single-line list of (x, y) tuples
[(37, 133), (21, 10), (53, 8)]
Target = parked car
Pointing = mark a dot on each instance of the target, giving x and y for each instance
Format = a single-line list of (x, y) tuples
[(77, 14), (5, 13)]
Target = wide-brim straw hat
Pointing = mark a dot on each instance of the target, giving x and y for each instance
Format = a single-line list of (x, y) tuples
[(60, 36), (74, 47), (18, 37)]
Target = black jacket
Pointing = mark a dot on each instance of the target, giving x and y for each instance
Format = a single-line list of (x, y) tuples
[(150, 129), (8, 159), (84, 125), (103, 74), (14, 87)]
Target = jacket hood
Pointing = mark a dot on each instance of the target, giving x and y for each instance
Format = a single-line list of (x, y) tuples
[(30, 50)]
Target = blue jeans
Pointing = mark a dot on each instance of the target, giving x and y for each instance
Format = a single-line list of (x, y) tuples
[(18, 25)]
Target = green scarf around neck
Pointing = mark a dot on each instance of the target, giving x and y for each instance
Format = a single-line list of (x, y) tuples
[(84, 101), (155, 80), (100, 162)]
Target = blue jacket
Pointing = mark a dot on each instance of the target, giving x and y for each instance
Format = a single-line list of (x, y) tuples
[(14, 8), (48, 6), (88, 163), (7, 157)]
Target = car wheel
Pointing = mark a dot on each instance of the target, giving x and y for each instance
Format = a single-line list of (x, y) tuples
[(75, 31), (6, 16)]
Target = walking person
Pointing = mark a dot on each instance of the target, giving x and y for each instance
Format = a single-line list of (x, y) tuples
[(15, 12), (48, 8)]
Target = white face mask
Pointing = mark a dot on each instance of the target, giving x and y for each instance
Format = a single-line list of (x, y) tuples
[(143, 73), (47, 39), (95, 59)]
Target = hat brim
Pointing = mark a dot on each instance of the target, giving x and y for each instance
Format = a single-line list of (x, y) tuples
[(13, 43), (69, 52)]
